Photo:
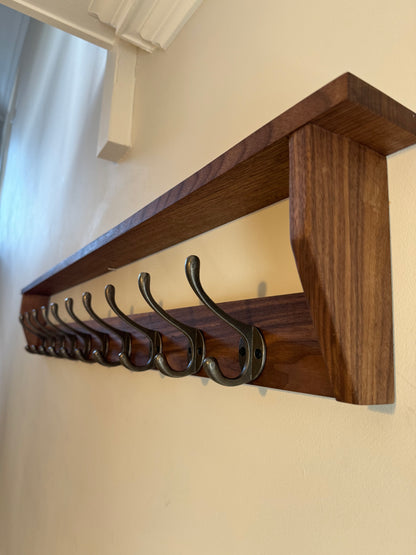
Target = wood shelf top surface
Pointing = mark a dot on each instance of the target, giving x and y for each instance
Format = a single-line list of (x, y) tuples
[(251, 175)]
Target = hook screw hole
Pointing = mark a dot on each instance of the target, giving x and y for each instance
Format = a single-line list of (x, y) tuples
[(258, 354), (242, 351)]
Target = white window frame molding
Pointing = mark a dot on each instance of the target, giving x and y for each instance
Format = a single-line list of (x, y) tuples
[(121, 27), (116, 117), (148, 24)]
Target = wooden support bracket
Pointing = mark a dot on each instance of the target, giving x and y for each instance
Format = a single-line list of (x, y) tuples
[(339, 223), (328, 153)]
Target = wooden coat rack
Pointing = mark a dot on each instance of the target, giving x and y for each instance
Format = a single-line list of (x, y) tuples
[(328, 155)]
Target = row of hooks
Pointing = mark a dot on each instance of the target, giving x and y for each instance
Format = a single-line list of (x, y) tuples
[(61, 339)]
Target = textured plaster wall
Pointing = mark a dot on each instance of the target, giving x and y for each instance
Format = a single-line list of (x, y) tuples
[(97, 460)]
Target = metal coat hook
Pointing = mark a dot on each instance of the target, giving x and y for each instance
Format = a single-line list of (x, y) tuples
[(51, 349), (102, 337), (35, 349), (86, 338), (252, 346), (194, 336), (154, 338), (123, 336), (70, 337)]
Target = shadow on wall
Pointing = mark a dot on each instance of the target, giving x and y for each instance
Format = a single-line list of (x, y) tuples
[(262, 289)]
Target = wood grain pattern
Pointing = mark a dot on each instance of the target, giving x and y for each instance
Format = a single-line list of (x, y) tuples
[(335, 142), (251, 175), (341, 241), (294, 360)]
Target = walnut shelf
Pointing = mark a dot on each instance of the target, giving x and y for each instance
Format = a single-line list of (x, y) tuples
[(328, 154)]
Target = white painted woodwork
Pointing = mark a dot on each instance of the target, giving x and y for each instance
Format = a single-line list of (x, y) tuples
[(148, 24), (116, 118), (119, 26), (71, 17)]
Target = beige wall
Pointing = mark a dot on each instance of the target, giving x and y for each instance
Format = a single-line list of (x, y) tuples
[(101, 461)]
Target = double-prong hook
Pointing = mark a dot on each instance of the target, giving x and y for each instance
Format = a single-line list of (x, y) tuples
[(252, 346), (123, 336), (86, 338), (195, 338), (154, 338), (101, 353), (70, 337), (34, 349), (53, 349)]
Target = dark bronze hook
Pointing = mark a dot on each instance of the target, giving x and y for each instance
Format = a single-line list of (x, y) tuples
[(70, 337), (123, 336), (253, 348), (86, 338), (52, 349), (154, 338), (194, 336), (34, 349), (102, 337)]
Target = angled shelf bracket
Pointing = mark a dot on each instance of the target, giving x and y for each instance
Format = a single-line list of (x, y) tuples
[(328, 155)]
